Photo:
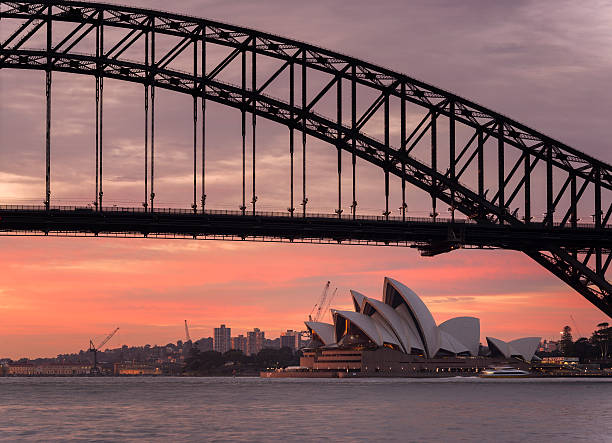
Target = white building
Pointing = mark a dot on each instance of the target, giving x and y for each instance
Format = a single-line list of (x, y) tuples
[(402, 322)]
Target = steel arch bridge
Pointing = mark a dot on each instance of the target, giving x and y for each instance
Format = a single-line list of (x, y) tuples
[(494, 173)]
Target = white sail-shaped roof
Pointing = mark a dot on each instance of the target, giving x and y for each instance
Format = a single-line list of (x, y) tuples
[(358, 298), (419, 315), (521, 347), (375, 332), (324, 331), (526, 347), (498, 345), (466, 330), (395, 322), (450, 344)]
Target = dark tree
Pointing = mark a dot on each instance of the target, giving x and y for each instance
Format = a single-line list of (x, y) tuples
[(567, 343), (602, 339)]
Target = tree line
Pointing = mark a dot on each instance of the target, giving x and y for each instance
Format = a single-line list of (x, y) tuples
[(234, 362), (597, 347)]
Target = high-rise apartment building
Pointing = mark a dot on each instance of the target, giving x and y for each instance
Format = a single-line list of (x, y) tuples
[(222, 339), (290, 339), (255, 341), (239, 343)]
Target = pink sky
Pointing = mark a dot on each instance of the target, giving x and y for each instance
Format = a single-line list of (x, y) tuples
[(542, 63)]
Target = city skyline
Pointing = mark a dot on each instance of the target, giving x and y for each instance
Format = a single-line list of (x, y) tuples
[(56, 294)]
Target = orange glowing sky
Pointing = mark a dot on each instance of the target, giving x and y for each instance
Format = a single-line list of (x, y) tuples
[(57, 293)]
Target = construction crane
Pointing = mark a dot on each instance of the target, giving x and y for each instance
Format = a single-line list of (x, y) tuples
[(187, 337), (326, 305), (318, 306), (95, 370)]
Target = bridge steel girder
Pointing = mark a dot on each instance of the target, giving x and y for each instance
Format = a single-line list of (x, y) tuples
[(415, 232), (560, 259)]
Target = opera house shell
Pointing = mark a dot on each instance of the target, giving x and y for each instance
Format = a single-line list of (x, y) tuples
[(402, 322)]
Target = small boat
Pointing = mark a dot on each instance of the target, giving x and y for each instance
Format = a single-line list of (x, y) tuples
[(504, 372)]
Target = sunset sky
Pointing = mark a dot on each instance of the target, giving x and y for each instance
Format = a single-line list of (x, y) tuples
[(544, 63)]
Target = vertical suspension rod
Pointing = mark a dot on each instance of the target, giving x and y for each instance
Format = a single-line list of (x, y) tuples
[(98, 74), (527, 174), (434, 162), (291, 131), (100, 164), (254, 115), (96, 203), (549, 186), (573, 201), (403, 147), (194, 205), (339, 129), (152, 81), (203, 197), (48, 80), (304, 104), (387, 142), (501, 171), (598, 221), (146, 126), (353, 137), (451, 144), (243, 128)]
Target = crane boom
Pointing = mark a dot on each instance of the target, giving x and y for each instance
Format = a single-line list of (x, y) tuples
[(187, 332), (107, 339), (327, 303), (322, 301)]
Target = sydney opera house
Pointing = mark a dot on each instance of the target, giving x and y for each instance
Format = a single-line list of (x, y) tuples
[(399, 335)]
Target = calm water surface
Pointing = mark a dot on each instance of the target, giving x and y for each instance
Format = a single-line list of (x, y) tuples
[(253, 409)]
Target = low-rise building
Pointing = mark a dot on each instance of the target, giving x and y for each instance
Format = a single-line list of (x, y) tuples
[(136, 369), (50, 370)]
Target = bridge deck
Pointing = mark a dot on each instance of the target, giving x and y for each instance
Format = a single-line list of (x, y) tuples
[(441, 235)]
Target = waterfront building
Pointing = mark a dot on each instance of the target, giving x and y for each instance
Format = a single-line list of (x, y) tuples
[(399, 334), (49, 369), (255, 341), (135, 368), (239, 343), (222, 339), (290, 339)]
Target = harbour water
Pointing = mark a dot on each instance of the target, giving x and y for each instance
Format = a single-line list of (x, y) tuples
[(252, 409)]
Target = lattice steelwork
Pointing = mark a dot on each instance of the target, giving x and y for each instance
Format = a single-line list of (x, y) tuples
[(455, 171)]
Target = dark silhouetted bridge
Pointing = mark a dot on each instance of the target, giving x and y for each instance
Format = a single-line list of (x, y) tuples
[(495, 175)]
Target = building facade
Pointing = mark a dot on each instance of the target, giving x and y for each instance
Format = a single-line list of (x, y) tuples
[(33, 370), (239, 343), (136, 369), (290, 339), (222, 339), (255, 341)]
